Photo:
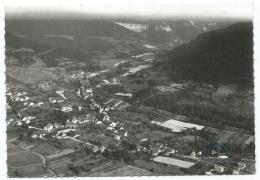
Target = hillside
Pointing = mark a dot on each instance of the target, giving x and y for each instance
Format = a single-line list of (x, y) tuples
[(13, 41), (73, 28), (218, 56), (174, 31)]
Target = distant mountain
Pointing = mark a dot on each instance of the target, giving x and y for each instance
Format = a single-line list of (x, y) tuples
[(223, 55), (167, 31), (74, 28)]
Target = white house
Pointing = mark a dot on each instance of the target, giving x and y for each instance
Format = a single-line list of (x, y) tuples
[(106, 118), (126, 134), (48, 127), (99, 122), (117, 137)]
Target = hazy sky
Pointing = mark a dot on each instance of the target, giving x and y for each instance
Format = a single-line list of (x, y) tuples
[(146, 10)]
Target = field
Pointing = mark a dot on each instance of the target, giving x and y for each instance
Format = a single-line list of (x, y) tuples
[(129, 116), (126, 170), (23, 163), (45, 149), (100, 138), (33, 75), (60, 165), (22, 158), (227, 136), (159, 168), (153, 135), (60, 154)]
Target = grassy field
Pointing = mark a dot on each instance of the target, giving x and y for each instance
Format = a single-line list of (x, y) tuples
[(153, 135), (33, 75), (158, 168), (24, 164), (22, 158), (227, 136), (126, 170), (59, 166)]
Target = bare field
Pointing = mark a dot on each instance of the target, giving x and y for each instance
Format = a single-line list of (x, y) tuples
[(33, 75)]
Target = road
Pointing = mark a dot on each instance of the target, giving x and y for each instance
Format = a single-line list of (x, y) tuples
[(44, 162)]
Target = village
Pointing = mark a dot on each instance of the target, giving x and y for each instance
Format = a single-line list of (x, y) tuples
[(98, 116)]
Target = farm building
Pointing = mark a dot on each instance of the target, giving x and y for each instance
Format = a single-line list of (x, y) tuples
[(178, 126), (174, 162)]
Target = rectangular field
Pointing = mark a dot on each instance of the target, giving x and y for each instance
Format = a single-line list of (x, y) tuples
[(60, 154)]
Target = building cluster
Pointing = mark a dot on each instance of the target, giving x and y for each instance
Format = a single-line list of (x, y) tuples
[(79, 75)]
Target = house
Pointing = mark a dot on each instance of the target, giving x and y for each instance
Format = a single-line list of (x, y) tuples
[(113, 124), (95, 149), (40, 103), (31, 104), (48, 127), (223, 156), (52, 100), (219, 169), (34, 136), (67, 108), (126, 134), (102, 149), (74, 120), (99, 122), (57, 125), (19, 123), (110, 128), (107, 108), (101, 109), (28, 118), (145, 139), (193, 154), (124, 94), (79, 108), (106, 118), (117, 137), (235, 172)]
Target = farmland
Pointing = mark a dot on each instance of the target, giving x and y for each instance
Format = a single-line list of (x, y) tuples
[(24, 164), (32, 75), (125, 170)]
